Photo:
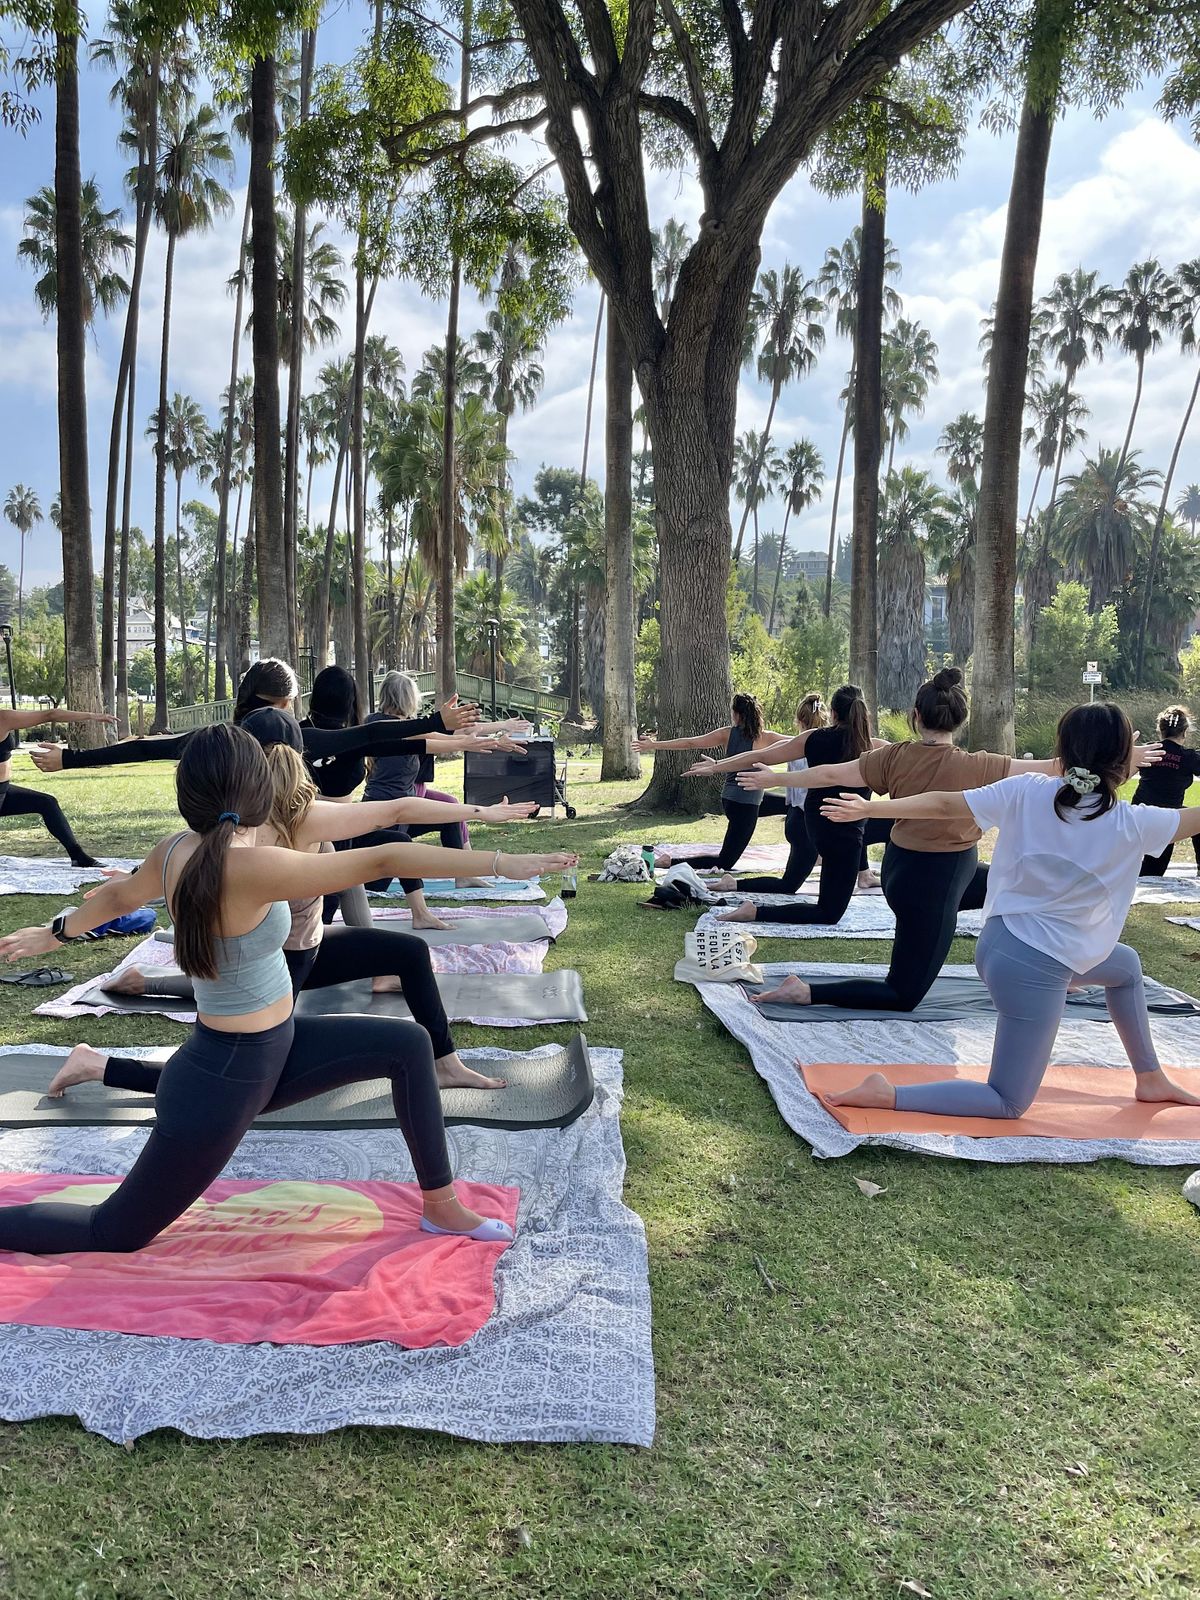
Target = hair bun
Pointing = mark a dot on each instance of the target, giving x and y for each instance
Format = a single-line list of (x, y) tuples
[(948, 678)]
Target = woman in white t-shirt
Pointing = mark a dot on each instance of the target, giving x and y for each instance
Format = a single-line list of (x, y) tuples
[(1062, 880)]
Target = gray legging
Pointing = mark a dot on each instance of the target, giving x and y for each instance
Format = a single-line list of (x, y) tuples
[(1029, 990)]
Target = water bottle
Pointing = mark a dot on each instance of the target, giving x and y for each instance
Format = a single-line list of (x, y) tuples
[(648, 858), (570, 883)]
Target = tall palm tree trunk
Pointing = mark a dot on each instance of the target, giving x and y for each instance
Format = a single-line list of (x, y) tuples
[(993, 707), (275, 627), (160, 722), (787, 512), (188, 686), (754, 584), (79, 616), (837, 492), (326, 580), (868, 443), (1037, 483), (1156, 538), (620, 621), (358, 593), (389, 537), (123, 567), (757, 473), (574, 663), (246, 592), (21, 532), (1137, 400), (227, 444), (291, 451)]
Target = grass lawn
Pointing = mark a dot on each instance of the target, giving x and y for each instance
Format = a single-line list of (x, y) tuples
[(983, 1384)]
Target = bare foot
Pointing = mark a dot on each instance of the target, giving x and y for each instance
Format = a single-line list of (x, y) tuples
[(131, 981), (83, 1065), (869, 880), (793, 991), (473, 883), (874, 1091), (1156, 1086), (386, 986), (425, 921), (663, 858), (746, 912), (454, 1073), (725, 884)]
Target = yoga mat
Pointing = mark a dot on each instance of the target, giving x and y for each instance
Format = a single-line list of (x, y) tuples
[(53, 875), (497, 889), (295, 1261), (957, 993), (521, 929), (565, 1356), (868, 916), (543, 1091), (776, 1049), (498, 1000), (755, 858), (1072, 1103)]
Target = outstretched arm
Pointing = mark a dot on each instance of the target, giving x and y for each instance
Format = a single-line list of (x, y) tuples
[(333, 820), (112, 899), (159, 747), (698, 741), (826, 777), (942, 805), (784, 749), (10, 721)]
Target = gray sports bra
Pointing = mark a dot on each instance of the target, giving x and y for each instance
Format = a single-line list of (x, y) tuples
[(251, 971)]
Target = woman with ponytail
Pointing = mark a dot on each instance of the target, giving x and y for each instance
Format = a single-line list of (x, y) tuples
[(247, 1053), (1062, 880), (1168, 781), (930, 869)]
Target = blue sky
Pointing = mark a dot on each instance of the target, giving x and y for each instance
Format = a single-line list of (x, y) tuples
[(1119, 191)]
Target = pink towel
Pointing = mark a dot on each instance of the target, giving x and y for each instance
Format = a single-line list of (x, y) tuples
[(293, 1262)]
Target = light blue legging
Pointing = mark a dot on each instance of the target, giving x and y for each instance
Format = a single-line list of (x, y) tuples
[(1029, 990)]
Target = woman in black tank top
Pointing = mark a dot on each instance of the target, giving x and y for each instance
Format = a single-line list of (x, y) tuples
[(16, 801)]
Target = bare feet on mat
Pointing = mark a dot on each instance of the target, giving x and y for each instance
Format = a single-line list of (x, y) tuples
[(792, 991), (723, 885), (746, 912), (454, 1073), (874, 1091), (1156, 1086), (131, 981), (473, 883), (426, 922), (83, 1065), (869, 880)]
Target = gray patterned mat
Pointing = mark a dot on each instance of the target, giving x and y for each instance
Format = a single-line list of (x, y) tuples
[(775, 1047), (542, 1091), (496, 889), (42, 875), (566, 1355), (495, 999)]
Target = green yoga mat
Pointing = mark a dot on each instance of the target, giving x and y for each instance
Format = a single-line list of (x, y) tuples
[(955, 997), (514, 999), (543, 1091)]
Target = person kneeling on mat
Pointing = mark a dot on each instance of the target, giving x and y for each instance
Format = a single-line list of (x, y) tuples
[(1062, 881), (246, 1053)]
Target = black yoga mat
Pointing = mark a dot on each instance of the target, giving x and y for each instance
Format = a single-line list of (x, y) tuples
[(519, 998)]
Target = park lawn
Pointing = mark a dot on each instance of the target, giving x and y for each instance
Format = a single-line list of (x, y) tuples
[(983, 1382)]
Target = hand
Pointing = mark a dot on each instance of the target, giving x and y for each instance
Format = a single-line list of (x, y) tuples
[(645, 747), (102, 716), (506, 812), (533, 866), (518, 726), (47, 757), (757, 777), (1145, 755), (456, 715), (110, 873), (846, 808), (490, 743), (27, 942), (703, 767)]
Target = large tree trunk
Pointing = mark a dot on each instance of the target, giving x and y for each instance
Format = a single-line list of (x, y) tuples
[(274, 625), (1125, 443), (868, 446), (160, 722), (993, 692), (188, 686), (447, 667), (79, 615), (620, 708), (245, 620), (837, 492), (227, 444), (291, 454), (1156, 540), (123, 570), (902, 632), (358, 594)]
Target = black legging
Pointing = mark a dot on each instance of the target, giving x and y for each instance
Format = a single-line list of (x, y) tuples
[(449, 835), (343, 955), (18, 802), (802, 858), (210, 1092), (741, 821), (926, 889), (1156, 866), (842, 847)]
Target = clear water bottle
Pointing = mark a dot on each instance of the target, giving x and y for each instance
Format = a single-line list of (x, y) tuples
[(570, 883)]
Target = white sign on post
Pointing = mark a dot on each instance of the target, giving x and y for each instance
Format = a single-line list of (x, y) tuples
[(1093, 677)]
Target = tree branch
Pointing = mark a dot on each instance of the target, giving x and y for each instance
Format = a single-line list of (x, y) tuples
[(485, 133), (597, 24), (671, 110), (495, 102), (639, 44), (706, 149)]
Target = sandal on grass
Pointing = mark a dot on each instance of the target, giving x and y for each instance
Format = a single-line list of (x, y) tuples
[(38, 978)]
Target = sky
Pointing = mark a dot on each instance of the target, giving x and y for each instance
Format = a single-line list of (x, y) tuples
[(1119, 191)]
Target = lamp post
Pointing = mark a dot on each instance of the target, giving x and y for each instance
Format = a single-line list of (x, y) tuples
[(493, 628)]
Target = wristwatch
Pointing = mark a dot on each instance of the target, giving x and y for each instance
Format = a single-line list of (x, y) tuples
[(59, 927)]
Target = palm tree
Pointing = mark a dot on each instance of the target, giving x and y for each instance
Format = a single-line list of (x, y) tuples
[(1186, 306), (314, 434), (1104, 521), (961, 442), (471, 373), (1055, 412), (1076, 328), (670, 249), (190, 194), (185, 447), (531, 572), (477, 604), (952, 548), (1188, 507), (510, 345), (915, 511), (323, 289), (908, 362), (803, 478), (787, 308), (1142, 310), (105, 243), (334, 403), (757, 475), (838, 280), (23, 509)]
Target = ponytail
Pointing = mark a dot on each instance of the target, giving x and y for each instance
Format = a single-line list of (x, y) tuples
[(850, 711), (1094, 747), (264, 683), (1174, 722), (810, 713), (293, 792), (749, 714)]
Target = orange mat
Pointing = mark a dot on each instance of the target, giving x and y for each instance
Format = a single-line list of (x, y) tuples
[(1072, 1103)]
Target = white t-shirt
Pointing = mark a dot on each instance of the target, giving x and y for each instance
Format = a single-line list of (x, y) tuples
[(797, 797), (1065, 887)]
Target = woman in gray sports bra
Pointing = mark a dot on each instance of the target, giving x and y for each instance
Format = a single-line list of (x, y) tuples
[(215, 1085)]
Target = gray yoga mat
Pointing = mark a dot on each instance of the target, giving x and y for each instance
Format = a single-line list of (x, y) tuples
[(506, 998), (521, 929), (956, 997), (543, 1091)]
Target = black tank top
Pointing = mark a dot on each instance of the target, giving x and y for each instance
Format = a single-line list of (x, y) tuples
[(828, 747)]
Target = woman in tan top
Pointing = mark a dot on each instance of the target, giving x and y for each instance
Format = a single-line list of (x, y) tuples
[(931, 870)]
